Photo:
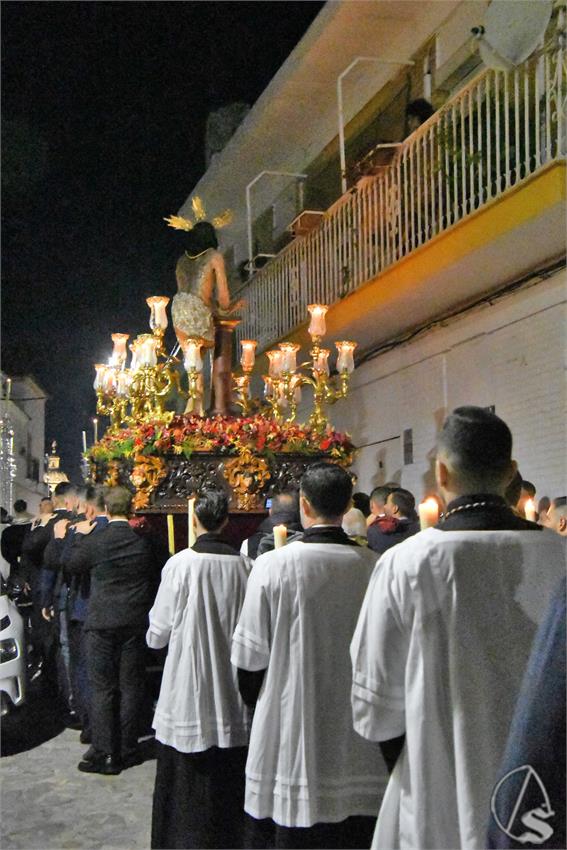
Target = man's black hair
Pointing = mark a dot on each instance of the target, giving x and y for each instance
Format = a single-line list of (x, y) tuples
[(45, 499), (202, 236), (362, 502), (118, 501), (82, 492), (328, 488), (559, 502), (405, 502), (286, 502), (20, 506), (381, 493), (211, 508), (94, 495), (65, 488), (529, 488), (478, 446)]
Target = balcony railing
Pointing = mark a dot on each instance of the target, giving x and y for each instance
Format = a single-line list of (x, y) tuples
[(498, 130)]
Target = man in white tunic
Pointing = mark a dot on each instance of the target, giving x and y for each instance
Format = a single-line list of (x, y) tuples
[(443, 640), (201, 722), (307, 770)]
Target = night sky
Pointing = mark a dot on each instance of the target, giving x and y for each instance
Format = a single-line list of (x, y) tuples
[(103, 116)]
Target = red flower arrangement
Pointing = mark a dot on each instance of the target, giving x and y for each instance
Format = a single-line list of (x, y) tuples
[(227, 435)]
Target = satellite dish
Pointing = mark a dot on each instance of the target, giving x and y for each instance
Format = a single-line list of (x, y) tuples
[(512, 30)]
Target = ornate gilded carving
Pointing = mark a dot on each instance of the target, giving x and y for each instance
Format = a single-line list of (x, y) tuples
[(112, 478), (145, 476), (247, 475)]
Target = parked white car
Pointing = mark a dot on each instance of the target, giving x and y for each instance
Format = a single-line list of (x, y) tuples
[(12, 655)]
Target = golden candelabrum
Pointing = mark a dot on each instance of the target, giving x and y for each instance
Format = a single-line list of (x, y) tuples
[(138, 393), (285, 379)]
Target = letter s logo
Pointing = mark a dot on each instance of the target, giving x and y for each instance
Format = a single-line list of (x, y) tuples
[(541, 831), (510, 810)]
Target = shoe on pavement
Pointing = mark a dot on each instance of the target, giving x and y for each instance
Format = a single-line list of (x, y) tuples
[(91, 754), (106, 765)]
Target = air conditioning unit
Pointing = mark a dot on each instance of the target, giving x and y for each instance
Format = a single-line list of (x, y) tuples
[(305, 222)]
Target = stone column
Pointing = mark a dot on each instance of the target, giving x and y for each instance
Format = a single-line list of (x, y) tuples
[(221, 395)]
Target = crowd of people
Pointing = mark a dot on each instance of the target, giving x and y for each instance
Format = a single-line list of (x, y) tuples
[(367, 683)]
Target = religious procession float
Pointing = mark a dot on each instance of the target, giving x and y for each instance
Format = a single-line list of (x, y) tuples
[(166, 444)]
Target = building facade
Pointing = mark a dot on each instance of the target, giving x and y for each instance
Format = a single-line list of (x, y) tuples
[(445, 256), (23, 438)]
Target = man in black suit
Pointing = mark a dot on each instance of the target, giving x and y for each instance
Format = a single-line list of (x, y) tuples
[(399, 523), (122, 568), (65, 502)]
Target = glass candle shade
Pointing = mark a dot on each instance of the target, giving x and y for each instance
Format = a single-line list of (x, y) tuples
[(146, 345), (192, 353), (158, 314), (321, 362), (268, 387), (123, 381), (248, 354), (109, 380), (345, 360), (276, 362), (289, 356), (317, 325), (135, 362), (119, 352), (100, 369)]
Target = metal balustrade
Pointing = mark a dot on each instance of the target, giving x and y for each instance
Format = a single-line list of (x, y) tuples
[(496, 132)]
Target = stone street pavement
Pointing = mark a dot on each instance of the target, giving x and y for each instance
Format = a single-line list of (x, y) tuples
[(48, 803)]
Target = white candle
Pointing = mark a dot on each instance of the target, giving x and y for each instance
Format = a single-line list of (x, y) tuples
[(428, 513), (280, 536), (8, 389), (84, 441), (170, 535), (530, 510), (190, 521), (95, 426)]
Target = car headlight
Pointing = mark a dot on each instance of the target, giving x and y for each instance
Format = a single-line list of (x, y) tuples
[(4, 623), (8, 650)]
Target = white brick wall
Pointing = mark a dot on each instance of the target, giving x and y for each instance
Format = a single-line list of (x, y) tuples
[(510, 354)]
